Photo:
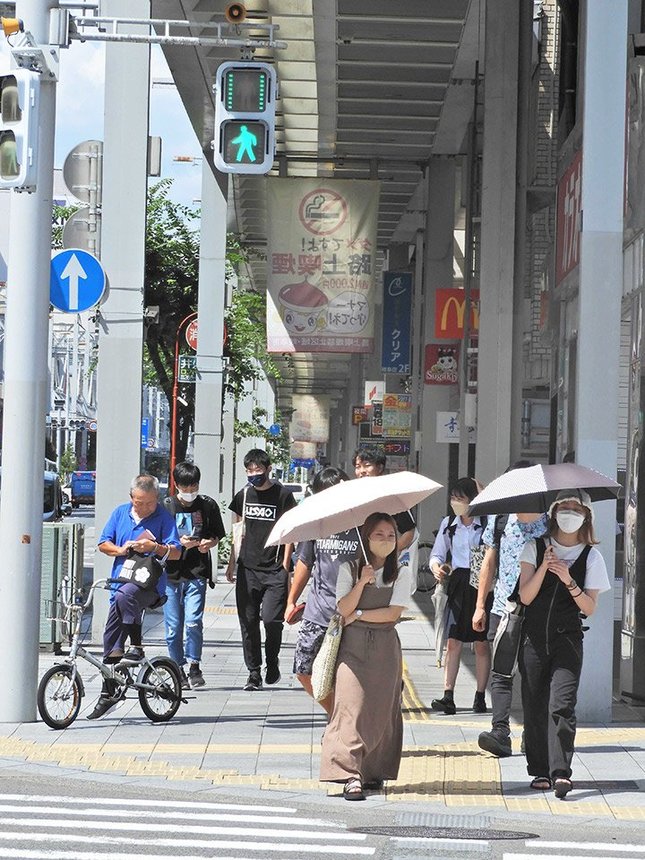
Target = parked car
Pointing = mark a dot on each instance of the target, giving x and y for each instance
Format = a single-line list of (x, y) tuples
[(55, 505), (83, 488)]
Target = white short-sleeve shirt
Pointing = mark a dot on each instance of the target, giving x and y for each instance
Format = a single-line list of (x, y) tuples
[(596, 576), (400, 590)]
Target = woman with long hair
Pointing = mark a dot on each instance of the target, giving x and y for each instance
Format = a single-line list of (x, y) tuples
[(561, 578), (363, 741)]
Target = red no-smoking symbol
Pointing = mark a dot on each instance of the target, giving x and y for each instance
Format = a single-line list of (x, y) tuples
[(322, 211), (191, 334)]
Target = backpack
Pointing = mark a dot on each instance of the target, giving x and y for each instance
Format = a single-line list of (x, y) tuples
[(498, 531)]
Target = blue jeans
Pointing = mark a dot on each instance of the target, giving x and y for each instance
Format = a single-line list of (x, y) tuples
[(184, 614)]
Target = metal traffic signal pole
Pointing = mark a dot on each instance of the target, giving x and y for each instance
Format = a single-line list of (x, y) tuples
[(25, 401)]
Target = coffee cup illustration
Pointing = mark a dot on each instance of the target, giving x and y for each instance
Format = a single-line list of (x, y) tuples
[(303, 307)]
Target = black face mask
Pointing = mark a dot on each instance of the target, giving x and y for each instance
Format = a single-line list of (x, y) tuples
[(256, 480)]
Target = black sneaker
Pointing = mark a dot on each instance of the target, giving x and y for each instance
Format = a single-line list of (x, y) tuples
[(195, 676), (132, 656), (496, 744), (444, 704), (254, 681), (185, 683), (272, 675), (105, 704)]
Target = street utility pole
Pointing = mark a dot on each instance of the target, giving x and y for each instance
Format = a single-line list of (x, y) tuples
[(26, 387)]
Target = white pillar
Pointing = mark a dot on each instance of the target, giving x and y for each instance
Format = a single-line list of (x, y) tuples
[(119, 377), (210, 313), (26, 393), (599, 304), (495, 359)]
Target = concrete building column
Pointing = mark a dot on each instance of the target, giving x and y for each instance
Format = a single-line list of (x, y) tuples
[(604, 40), (120, 375), (438, 267), (210, 312), (497, 365)]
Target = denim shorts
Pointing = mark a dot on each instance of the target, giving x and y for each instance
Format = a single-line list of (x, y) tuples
[(310, 637)]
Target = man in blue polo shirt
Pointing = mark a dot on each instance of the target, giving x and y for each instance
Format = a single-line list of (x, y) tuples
[(143, 526)]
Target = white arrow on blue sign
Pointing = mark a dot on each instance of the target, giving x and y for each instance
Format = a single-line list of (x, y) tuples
[(77, 281)]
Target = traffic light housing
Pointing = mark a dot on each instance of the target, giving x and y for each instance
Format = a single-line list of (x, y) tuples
[(19, 96), (245, 100)]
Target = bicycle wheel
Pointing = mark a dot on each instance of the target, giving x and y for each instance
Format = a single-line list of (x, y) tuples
[(59, 696), (161, 701), (425, 577)]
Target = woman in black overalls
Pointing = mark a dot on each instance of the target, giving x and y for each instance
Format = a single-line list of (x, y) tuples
[(561, 577)]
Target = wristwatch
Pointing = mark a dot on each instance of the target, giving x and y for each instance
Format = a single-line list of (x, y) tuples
[(358, 612)]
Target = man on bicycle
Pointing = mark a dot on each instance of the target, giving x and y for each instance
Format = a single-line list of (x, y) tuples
[(142, 526)]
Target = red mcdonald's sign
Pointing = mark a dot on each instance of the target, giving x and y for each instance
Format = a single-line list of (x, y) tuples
[(450, 307)]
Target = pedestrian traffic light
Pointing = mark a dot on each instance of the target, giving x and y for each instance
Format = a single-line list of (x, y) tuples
[(19, 93), (245, 97)]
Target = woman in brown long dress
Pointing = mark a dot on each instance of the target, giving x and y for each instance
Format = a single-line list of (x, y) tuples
[(363, 741)]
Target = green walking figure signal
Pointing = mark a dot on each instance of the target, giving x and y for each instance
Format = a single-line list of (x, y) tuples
[(245, 105), (246, 141)]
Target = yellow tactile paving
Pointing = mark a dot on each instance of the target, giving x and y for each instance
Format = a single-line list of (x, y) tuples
[(453, 774)]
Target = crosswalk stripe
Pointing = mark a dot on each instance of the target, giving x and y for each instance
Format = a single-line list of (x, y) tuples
[(17, 836), (137, 827), (475, 844), (283, 848), (589, 846), (569, 856), (135, 801), (86, 812)]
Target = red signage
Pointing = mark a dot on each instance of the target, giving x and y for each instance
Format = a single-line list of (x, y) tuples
[(450, 307), (441, 366), (569, 219), (191, 334)]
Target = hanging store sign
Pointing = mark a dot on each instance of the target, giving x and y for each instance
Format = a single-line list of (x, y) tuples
[(397, 311), (321, 263), (397, 416), (374, 391), (569, 219), (310, 419), (450, 309), (441, 365), (359, 413)]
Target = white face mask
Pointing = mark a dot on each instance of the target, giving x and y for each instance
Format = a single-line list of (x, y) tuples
[(382, 548), (569, 521), (459, 508), (187, 497)]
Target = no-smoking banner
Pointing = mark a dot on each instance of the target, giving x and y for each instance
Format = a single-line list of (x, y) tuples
[(323, 211)]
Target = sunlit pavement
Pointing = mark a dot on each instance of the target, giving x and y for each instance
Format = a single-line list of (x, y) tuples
[(269, 740)]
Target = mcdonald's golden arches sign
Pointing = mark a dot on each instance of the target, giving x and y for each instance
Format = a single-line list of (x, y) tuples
[(450, 307)]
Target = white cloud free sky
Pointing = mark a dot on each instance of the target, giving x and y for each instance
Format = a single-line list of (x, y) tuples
[(79, 113)]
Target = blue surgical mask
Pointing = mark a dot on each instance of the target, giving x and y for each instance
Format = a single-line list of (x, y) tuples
[(256, 480)]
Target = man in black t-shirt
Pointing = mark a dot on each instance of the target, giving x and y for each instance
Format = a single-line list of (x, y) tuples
[(200, 527), (261, 576)]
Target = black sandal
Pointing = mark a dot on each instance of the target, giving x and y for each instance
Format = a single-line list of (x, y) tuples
[(541, 783), (562, 786), (353, 789)]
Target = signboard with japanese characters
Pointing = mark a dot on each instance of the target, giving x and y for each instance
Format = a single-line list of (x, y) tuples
[(450, 309), (310, 419), (187, 371), (377, 419), (359, 413), (441, 365), (568, 219), (321, 258), (448, 428), (397, 416), (397, 310)]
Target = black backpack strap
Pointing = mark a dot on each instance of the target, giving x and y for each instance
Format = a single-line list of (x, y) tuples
[(450, 530), (483, 522)]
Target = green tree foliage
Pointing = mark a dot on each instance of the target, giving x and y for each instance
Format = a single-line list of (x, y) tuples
[(67, 463), (172, 270)]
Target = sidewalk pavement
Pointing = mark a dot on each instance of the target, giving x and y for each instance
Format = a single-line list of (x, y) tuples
[(232, 740)]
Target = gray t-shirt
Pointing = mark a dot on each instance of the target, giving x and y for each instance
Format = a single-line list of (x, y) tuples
[(324, 556)]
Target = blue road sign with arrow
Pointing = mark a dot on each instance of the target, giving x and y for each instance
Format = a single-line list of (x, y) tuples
[(77, 281)]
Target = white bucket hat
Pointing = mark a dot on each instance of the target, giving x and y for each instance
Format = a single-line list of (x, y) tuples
[(580, 496)]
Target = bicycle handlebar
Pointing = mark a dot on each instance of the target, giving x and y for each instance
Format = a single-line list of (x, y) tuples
[(64, 593)]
